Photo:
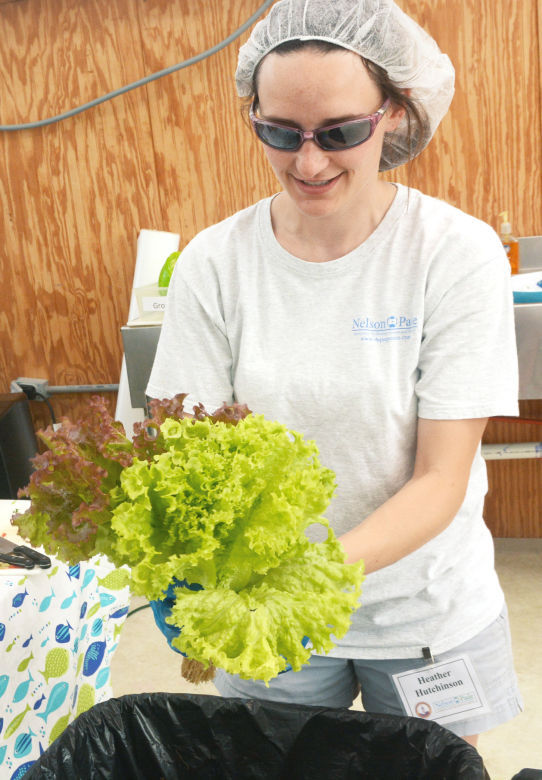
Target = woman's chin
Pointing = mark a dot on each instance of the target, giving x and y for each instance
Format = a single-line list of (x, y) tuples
[(315, 200)]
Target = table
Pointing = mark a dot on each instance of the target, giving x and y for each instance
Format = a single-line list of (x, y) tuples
[(59, 628)]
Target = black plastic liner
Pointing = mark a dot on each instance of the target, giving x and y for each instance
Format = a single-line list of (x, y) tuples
[(155, 736)]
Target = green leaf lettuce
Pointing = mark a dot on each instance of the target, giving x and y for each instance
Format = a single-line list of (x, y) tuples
[(223, 500), (227, 507)]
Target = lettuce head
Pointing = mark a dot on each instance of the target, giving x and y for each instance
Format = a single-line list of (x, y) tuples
[(222, 500), (227, 507)]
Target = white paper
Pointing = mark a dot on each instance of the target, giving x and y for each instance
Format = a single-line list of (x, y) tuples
[(444, 692), (153, 249), (527, 282)]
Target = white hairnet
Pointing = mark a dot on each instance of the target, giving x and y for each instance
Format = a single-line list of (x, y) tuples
[(379, 31)]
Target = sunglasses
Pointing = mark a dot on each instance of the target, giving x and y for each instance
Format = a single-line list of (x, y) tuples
[(332, 138)]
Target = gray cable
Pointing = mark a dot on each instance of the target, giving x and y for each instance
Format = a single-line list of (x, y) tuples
[(56, 389), (147, 79)]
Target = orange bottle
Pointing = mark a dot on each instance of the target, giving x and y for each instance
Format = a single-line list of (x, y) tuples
[(510, 244)]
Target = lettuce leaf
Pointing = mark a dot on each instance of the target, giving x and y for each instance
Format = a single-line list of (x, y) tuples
[(222, 504), (258, 630), (220, 499), (70, 486)]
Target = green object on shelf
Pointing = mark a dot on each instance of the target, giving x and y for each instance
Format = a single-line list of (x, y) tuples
[(167, 269)]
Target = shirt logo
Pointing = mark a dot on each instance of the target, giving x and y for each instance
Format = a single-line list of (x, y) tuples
[(391, 328)]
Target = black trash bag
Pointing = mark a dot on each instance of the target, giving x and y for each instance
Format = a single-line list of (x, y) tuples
[(168, 736)]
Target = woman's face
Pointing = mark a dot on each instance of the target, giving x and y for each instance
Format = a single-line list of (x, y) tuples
[(308, 89)]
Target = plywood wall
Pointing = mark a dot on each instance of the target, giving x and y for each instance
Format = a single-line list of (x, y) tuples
[(175, 155)]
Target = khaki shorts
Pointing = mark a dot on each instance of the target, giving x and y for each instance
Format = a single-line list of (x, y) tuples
[(336, 682)]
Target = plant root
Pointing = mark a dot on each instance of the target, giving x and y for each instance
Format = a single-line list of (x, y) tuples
[(195, 672)]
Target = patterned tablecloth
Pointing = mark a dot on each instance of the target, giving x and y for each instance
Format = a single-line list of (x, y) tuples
[(59, 628)]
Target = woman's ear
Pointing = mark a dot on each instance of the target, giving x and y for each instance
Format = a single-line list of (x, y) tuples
[(393, 117), (395, 113)]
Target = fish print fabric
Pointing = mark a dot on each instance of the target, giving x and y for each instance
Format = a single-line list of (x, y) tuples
[(58, 630)]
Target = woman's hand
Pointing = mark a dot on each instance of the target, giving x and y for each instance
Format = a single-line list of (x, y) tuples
[(161, 609), (427, 503)]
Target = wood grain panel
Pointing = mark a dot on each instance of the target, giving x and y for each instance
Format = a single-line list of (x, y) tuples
[(73, 194), (207, 162), (487, 154), (513, 506)]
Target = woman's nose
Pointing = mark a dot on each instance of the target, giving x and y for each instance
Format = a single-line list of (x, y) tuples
[(310, 160)]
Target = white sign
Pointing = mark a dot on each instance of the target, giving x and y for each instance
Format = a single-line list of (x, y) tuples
[(154, 303), (443, 692)]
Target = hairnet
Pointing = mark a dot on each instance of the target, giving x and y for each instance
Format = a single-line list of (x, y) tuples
[(379, 31)]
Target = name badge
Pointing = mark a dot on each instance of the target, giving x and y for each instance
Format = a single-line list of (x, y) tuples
[(443, 692)]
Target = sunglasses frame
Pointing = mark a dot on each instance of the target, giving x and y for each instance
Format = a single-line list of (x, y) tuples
[(312, 135)]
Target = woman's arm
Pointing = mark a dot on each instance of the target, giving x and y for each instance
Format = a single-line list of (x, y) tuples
[(427, 503)]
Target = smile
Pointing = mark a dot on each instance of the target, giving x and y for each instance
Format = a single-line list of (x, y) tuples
[(317, 183), (317, 186)]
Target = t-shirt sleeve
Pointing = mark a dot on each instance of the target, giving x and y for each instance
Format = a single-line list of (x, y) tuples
[(193, 354), (468, 361)]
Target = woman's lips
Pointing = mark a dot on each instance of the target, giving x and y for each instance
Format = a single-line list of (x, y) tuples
[(316, 186)]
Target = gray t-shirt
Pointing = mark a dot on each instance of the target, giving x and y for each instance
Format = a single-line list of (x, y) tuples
[(415, 322)]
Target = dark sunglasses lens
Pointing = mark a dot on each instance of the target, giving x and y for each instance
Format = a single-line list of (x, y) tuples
[(277, 137), (346, 136)]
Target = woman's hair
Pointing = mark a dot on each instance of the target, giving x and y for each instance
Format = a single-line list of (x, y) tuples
[(418, 130)]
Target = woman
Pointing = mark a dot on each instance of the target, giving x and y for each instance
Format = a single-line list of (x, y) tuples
[(376, 321)]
